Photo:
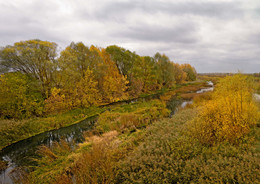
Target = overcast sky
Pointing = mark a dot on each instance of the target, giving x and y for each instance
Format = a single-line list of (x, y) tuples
[(212, 35)]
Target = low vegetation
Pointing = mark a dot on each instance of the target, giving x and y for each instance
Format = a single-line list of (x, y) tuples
[(169, 155), (170, 150), (132, 117)]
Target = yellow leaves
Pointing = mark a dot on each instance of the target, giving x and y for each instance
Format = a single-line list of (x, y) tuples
[(87, 90), (113, 84), (84, 94), (190, 72), (17, 98), (56, 102), (114, 88), (230, 114)]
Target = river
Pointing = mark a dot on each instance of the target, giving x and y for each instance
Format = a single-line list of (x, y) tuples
[(22, 152)]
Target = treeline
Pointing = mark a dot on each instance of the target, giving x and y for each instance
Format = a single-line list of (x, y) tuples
[(37, 80)]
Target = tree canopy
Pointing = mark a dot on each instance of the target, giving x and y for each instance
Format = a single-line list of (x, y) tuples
[(33, 72)]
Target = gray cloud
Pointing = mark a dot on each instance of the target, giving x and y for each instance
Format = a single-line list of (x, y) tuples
[(119, 10), (183, 33), (212, 35)]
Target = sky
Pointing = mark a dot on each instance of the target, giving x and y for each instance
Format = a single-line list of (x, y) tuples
[(211, 35)]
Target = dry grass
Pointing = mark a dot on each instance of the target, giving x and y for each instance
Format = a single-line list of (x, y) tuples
[(169, 155), (190, 88), (3, 165), (96, 165)]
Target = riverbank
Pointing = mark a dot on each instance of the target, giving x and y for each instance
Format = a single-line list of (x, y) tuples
[(163, 151), (12, 131), (169, 150)]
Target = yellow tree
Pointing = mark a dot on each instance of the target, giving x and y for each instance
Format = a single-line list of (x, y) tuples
[(179, 74), (112, 84), (56, 102), (87, 92), (190, 72), (231, 112)]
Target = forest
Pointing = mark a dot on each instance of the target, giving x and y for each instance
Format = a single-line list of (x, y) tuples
[(37, 80), (107, 115)]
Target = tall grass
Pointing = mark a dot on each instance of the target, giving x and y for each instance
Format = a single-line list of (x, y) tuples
[(132, 116), (169, 155)]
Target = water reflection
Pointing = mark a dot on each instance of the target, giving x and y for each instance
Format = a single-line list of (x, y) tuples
[(22, 152)]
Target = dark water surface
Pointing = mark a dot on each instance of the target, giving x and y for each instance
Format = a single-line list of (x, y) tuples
[(22, 152)]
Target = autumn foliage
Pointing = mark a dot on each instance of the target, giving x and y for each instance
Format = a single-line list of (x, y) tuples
[(80, 77), (230, 113)]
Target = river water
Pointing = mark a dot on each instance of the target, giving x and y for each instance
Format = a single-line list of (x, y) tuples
[(22, 152)]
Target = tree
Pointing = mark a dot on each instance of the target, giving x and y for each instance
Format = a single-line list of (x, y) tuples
[(76, 59), (146, 73), (122, 57), (166, 69), (190, 72), (87, 93), (113, 85), (19, 97), (179, 75), (56, 102), (32, 57)]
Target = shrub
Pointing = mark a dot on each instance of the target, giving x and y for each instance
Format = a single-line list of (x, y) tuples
[(129, 121), (230, 114), (97, 164)]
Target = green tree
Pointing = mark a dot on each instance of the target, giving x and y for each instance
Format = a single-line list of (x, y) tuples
[(190, 72), (19, 97), (32, 57), (166, 70), (122, 57)]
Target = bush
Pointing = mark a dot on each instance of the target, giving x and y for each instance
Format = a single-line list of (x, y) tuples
[(229, 115), (129, 121)]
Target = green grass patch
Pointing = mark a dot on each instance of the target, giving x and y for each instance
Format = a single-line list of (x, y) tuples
[(130, 117)]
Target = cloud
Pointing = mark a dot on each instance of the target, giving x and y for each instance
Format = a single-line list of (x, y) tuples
[(178, 34), (212, 35)]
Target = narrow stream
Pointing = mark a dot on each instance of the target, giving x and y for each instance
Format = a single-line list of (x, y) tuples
[(20, 153)]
